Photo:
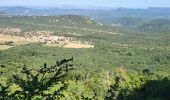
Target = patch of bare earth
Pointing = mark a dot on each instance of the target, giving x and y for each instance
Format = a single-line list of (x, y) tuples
[(6, 38), (4, 47), (8, 41), (78, 45)]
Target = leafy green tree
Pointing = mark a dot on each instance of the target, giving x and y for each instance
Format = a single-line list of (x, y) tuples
[(36, 82), (3, 92), (114, 90)]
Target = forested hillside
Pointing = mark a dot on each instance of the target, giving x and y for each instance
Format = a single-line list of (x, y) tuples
[(104, 15), (121, 64), (157, 25)]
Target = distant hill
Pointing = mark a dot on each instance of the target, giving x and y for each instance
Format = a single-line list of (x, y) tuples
[(75, 19), (1, 13), (157, 25), (127, 21), (99, 14)]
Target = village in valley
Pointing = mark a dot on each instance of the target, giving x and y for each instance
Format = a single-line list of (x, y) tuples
[(46, 37)]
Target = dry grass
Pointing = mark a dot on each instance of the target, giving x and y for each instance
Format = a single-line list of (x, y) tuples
[(18, 40), (78, 45), (6, 38), (4, 47)]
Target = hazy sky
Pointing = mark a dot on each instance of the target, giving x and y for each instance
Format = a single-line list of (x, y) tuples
[(102, 3)]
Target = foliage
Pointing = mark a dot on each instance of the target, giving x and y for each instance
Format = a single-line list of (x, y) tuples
[(156, 25), (144, 59), (35, 82)]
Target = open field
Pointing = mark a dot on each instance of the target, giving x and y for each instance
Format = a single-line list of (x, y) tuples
[(6, 38), (8, 41), (4, 47), (78, 45)]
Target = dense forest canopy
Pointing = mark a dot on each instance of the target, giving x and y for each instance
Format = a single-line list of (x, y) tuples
[(128, 58)]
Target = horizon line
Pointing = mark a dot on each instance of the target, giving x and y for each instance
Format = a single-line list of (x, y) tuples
[(77, 7)]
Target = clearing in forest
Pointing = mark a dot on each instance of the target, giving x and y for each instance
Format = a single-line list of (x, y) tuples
[(8, 41), (78, 45)]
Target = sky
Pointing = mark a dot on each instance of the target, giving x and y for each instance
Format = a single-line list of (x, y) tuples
[(98, 3)]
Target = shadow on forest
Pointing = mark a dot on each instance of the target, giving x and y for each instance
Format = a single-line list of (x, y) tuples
[(152, 90)]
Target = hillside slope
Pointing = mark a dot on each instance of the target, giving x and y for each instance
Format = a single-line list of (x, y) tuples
[(157, 25)]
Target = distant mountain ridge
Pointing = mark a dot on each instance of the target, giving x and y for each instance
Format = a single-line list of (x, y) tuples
[(156, 25), (100, 14)]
